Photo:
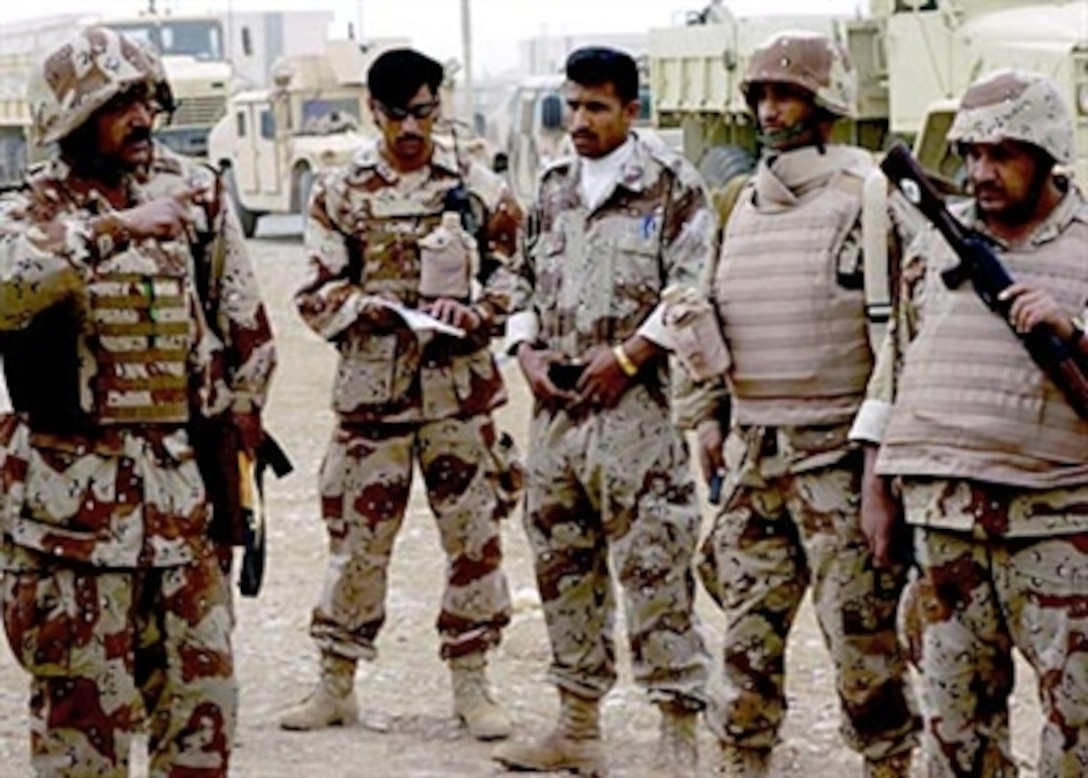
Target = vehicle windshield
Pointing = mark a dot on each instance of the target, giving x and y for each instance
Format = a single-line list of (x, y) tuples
[(200, 39)]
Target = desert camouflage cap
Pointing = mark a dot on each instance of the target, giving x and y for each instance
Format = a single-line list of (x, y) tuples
[(79, 75), (809, 60), (1015, 105)]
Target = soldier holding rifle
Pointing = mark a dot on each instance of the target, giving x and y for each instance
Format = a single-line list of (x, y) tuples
[(984, 453), (114, 595)]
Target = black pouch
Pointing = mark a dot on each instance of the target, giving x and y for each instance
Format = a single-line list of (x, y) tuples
[(565, 375)]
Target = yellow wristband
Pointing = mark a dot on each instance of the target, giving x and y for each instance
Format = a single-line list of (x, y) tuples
[(629, 368)]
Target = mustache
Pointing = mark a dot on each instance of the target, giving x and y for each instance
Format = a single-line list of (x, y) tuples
[(139, 135), (584, 134), (410, 137), (985, 189)]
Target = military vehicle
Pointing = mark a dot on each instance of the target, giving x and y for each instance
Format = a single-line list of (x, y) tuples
[(14, 116), (913, 58), (272, 142)]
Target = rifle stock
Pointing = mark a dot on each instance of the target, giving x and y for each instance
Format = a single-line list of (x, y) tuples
[(233, 482), (979, 264), (269, 455)]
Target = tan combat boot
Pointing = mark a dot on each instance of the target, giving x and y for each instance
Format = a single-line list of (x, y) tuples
[(894, 766), (472, 702), (677, 745), (740, 762), (574, 744), (332, 703)]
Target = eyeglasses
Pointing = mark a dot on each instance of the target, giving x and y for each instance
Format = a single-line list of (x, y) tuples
[(419, 111)]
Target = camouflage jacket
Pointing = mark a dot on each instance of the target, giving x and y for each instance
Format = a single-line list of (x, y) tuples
[(593, 276), (118, 495), (363, 234)]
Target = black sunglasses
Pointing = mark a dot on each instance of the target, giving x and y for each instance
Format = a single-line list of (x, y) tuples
[(419, 111)]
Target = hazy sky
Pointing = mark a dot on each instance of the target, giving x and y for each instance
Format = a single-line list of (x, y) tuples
[(434, 25)]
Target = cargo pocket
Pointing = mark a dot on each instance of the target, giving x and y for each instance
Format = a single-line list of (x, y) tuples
[(39, 619), (365, 373)]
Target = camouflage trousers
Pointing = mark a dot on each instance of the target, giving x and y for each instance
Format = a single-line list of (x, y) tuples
[(102, 644), (982, 596), (365, 482), (779, 530), (613, 491)]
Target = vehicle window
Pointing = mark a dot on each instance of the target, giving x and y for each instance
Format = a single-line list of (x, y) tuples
[(321, 115), (200, 39), (268, 124)]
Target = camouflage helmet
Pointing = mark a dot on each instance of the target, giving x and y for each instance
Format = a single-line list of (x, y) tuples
[(78, 76), (1015, 105), (809, 60), (164, 93)]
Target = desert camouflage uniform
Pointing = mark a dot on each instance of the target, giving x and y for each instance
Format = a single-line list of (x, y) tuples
[(612, 490), (402, 396), (1004, 565), (790, 503), (113, 597)]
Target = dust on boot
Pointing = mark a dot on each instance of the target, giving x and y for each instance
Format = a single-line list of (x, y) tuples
[(574, 744), (332, 703), (472, 700)]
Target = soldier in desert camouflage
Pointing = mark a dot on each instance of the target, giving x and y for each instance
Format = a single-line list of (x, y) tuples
[(375, 231), (990, 459), (789, 294), (609, 484), (114, 597)]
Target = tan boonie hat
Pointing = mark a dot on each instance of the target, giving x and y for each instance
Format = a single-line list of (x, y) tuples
[(1015, 105), (809, 60), (79, 75)]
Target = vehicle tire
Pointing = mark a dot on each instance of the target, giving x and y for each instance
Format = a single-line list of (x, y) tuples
[(722, 163), (302, 191), (247, 218)]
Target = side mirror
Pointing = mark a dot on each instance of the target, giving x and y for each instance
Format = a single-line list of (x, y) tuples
[(247, 42), (551, 112)]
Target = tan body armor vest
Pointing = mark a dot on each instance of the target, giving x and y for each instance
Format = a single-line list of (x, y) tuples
[(797, 336), (141, 332), (388, 247), (399, 375), (971, 402)]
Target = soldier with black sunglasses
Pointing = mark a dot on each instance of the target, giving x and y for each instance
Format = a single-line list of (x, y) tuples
[(387, 229)]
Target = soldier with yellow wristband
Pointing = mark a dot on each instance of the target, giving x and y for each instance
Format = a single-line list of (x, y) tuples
[(609, 485)]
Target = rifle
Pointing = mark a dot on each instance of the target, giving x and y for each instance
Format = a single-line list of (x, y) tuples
[(251, 490), (234, 481), (980, 265)]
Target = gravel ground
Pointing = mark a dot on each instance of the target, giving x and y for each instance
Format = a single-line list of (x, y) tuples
[(407, 727)]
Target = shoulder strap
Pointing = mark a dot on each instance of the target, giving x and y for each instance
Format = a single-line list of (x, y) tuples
[(662, 273), (210, 253), (880, 268)]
